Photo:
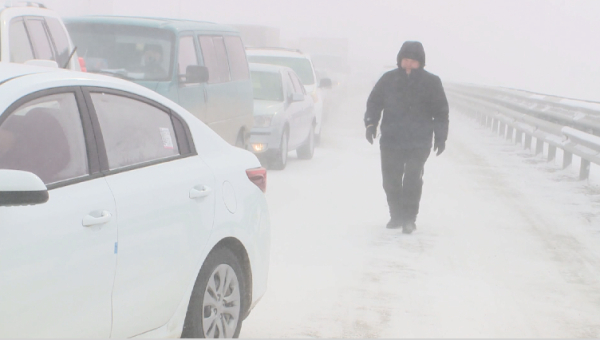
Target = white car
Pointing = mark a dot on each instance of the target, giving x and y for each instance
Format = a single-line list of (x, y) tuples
[(302, 65), (32, 34), (121, 214), (284, 116)]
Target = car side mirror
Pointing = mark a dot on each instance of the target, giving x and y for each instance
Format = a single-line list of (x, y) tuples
[(18, 188), (325, 83), (297, 97), (196, 74)]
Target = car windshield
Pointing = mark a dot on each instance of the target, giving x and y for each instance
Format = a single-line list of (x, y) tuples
[(267, 86), (131, 52), (301, 66)]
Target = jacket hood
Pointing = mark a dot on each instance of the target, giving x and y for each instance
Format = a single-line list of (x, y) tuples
[(411, 50)]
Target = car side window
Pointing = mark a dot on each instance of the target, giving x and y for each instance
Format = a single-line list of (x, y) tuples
[(187, 55), (237, 58), (45, 136), (297, 84), (134, 132), (294, 84), (20, 45), (287, 85), (61, 41), (39, 39), (215, 58)]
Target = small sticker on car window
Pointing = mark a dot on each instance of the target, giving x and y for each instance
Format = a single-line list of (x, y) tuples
[(166, 138)]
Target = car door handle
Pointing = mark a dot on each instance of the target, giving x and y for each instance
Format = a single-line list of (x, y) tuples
[(200, 191), (90, 220)]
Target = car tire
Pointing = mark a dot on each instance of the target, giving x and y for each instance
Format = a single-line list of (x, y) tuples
[(279, 160), (216, 309), (307, 150)]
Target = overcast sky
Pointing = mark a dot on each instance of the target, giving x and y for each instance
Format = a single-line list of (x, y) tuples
[(548, 46)]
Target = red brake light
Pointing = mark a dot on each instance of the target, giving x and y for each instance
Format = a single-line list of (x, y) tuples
[(258, 176), (82, 64)]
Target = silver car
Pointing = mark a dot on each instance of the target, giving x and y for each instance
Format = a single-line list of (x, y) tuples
[(284, 116)]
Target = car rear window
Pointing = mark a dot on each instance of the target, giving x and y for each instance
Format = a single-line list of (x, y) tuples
[(301, 66), (127, 51)]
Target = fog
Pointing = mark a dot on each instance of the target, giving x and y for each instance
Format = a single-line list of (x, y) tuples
[(507, 237), (537, 45)]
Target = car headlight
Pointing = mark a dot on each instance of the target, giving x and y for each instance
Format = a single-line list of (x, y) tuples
[(263, 120)]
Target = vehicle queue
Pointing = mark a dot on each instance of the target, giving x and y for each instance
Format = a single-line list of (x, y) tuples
[(129, 202)]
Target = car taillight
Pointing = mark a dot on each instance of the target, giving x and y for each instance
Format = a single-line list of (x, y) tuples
[(258, 176), (82, 64)]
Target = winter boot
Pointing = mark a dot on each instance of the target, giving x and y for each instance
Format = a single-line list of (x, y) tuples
[(394, 224), (409, 228)]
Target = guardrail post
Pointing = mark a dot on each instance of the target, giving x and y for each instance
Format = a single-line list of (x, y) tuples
[(502, 129), (584, 171), (539, 146), (567, 159), (551, 153), (528, 141), (509, 133), (519, 138)]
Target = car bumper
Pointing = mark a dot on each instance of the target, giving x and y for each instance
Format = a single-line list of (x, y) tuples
[(265, 140)]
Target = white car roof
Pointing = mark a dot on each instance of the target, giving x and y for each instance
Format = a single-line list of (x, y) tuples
[(10, 11), (20, 78), (268, 68), (276, 52)]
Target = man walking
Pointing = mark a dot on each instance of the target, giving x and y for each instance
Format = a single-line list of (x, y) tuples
[(415, 112)]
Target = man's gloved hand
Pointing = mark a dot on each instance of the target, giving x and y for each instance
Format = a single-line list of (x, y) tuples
[(439, 146), (371, 133)]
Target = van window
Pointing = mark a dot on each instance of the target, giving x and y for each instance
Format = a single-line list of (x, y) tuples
[(130, 52), (20, 46), (39, 39), (222, 58), (187, 55), (60, 39), (237, 58), (215, 58)]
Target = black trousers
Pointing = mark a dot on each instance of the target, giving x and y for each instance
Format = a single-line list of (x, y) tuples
[(402, 171)]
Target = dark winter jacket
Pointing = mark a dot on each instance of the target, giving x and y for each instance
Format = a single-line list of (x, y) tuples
[(414, 108)]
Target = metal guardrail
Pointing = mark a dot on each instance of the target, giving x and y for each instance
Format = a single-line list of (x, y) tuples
[(519, 117)]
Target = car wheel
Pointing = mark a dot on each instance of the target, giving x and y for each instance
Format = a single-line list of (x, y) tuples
[(217, 304), (307, 150), (280, 159)]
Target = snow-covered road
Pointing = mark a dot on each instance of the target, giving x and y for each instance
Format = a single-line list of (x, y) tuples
[(505, 245)]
